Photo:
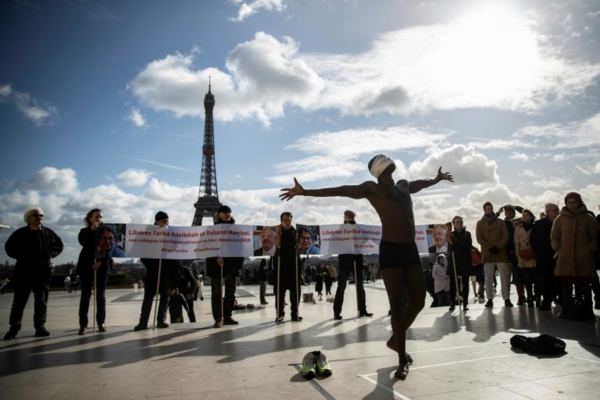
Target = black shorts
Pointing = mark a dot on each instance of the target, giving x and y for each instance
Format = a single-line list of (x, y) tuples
[(398, 255)]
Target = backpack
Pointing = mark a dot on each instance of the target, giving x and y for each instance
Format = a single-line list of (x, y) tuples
[(476, 257), (542, 345)]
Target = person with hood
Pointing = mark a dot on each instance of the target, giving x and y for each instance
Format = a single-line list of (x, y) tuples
[(525, 274), (33, 246), (575, 239), (492, 236), (441, 282), (229, 269)]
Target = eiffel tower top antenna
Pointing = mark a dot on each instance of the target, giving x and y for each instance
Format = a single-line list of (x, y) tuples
[(208, 194)]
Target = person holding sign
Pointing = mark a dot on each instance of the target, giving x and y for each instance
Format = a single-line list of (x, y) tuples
[(287, 268), (398, 254), (156, 281), (87, 255), (350, 263), (106, 238), (223, 270)]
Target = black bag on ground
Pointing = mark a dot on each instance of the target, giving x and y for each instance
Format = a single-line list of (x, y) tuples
[(543, 344)]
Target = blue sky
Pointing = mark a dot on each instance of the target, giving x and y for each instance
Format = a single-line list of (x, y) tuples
[(101, 105)]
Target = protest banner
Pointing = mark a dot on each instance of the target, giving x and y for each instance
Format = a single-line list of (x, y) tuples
[(350, 239), (188, 243)]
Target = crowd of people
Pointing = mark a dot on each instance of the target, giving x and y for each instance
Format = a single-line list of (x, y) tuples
[(553, 259), (550, 260)]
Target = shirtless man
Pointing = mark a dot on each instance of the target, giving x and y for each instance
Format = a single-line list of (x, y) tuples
[(398, 255)]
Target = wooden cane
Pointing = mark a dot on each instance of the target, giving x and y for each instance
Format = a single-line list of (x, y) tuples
[(297, 292), (356, 288), (278, 288), (221, 285), (94, 324), (455, 278), (157, 291)]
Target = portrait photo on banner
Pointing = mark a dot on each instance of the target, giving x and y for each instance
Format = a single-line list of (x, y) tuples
[(265, 239), (437, 240), (308, 239)]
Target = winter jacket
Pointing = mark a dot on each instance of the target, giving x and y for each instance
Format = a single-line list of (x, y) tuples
[(489, 235), (460, 253), (575, 239), (33, 250), (522, 241)]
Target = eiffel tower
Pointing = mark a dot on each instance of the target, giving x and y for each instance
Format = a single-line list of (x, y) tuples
[(208, 195)]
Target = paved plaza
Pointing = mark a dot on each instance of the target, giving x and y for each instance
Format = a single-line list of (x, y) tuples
[(458, 355)]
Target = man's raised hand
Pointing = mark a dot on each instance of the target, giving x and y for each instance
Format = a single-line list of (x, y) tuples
[(444, 176), (289, 193)]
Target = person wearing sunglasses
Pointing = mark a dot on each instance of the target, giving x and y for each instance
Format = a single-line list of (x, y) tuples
[(33, 246)]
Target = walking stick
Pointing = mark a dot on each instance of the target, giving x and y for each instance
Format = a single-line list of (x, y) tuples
[(356, 287), (221, 286), (297, 292), (157, 291), (455, 277), (278, 288), (94, 325)]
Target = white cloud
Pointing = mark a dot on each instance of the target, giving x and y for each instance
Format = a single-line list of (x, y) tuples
[(336, 154), (572, 135), (252, 7), (137, 118), (416, 69), (50, 179), (38, 111), (518, 156), (527, 173), (467, 166), (134, 177)]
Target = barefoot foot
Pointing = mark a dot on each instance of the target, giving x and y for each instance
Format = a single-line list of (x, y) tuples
[(401, 372)]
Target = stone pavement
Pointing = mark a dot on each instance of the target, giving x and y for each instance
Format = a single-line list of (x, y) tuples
[(458, 355)]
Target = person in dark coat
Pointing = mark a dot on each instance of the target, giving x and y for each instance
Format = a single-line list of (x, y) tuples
[(288, 270), (230, 269), (459, 258), (350, 263), (90, 253), (153, 266), (550, 286), (33, 246)]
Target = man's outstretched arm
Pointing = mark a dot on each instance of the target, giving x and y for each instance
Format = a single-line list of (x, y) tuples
[(419, 184), (353, 191)]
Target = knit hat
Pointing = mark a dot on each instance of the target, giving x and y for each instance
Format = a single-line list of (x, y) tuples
[(349, 213), (573, 195), (224, 209), (160, 216)]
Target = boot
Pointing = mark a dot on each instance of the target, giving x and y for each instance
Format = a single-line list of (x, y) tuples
[(566, 306)]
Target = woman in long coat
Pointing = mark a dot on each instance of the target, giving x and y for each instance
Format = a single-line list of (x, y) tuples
[(575, 239)]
